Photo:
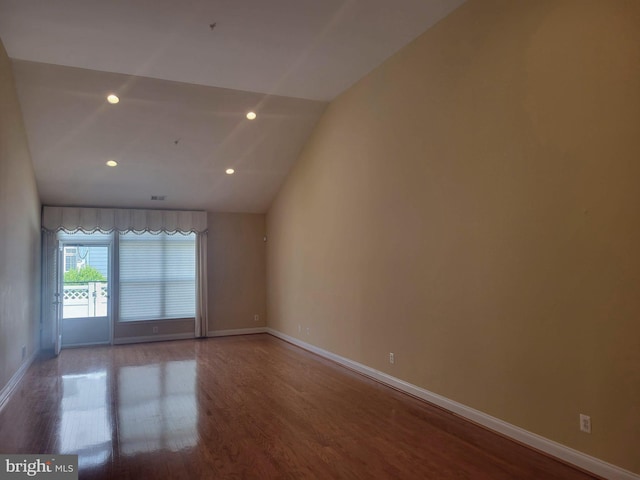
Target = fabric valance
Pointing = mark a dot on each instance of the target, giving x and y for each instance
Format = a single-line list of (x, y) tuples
[(122, 220)]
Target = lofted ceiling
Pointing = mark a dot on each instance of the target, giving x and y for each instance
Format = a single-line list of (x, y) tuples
[(187, 73), (170, 139)]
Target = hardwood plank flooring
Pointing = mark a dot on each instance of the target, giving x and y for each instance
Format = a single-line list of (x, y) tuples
[(246, 407)]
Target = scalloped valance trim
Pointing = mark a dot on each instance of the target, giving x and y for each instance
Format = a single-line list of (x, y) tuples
[(107, 220)]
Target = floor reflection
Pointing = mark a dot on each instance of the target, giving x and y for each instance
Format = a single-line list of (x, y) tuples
[(85, 420), (157, 407)]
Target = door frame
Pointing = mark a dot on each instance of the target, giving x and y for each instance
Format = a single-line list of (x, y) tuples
[(84, 242)]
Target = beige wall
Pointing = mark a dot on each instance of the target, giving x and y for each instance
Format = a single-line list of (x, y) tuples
[(19, 234), (236, 265), (473, 206)]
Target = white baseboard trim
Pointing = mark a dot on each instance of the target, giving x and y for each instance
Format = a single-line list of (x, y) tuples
[(14, 381), (237, 331), (152, 338), (562, 452)]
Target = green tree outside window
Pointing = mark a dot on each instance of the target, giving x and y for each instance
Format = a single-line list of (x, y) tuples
[(84, 275)]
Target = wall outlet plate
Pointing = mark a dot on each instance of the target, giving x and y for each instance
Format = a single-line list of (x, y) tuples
[(585, 423)]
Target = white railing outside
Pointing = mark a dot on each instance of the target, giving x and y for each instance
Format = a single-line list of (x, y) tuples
[(84, 300)]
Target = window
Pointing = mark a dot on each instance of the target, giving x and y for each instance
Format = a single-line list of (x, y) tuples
[(154, 276), (70, 258), (157, 276)]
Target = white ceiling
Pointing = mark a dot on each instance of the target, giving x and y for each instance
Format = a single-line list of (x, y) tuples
[(73, 131), (308, 49)]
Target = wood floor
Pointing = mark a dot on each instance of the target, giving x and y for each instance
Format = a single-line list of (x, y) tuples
[(245, 407)]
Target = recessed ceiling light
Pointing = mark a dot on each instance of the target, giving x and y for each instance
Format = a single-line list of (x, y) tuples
[(111, 163), (113, 99), (230, 171), (251, 115)]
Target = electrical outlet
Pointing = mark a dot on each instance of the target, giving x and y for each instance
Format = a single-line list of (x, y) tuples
[(299, 328), (155, 329), (308, 330), (392, 358), (585, 423), (24, 352), (256, 318)]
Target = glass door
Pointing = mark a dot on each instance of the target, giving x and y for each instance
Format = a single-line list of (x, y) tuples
[(85, 300)]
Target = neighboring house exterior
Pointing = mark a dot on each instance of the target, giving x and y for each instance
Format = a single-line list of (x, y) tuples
[(76, 257)]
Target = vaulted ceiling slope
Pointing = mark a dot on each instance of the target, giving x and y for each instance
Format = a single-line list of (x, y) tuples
[(169, 139), (187, 73)]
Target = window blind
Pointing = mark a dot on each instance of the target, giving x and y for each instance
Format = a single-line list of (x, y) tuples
[(157, 276)]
